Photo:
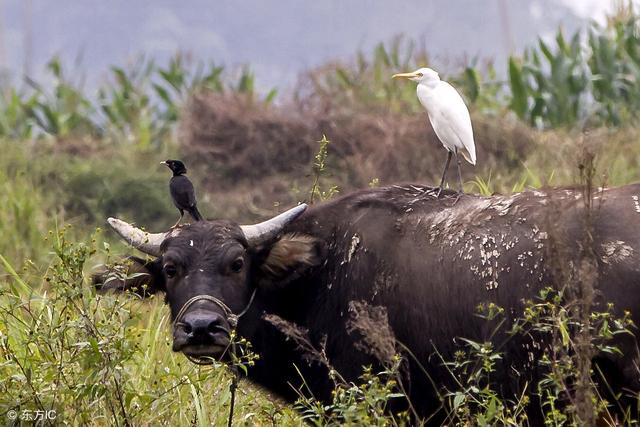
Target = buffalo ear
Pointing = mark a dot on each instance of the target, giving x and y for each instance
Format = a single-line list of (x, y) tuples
[(290, 257), (132, 274)]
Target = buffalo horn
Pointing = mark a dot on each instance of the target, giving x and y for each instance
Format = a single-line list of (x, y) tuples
[(267, 230), (148, 243)]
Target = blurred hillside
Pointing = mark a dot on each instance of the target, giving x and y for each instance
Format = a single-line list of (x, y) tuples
[(278, 39)]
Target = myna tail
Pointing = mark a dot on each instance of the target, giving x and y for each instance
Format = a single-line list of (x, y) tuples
[(195, 214)]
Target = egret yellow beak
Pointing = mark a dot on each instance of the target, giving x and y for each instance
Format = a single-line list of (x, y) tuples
[(404, 75)]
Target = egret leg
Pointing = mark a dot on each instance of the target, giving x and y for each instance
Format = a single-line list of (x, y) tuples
[(459, 174), (444, 173)]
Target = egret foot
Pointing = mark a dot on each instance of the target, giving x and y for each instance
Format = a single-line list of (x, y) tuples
[(433, 192), (458, 195), (427, 193)]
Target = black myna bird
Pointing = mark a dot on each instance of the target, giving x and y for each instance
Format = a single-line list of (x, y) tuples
[(182, 192)]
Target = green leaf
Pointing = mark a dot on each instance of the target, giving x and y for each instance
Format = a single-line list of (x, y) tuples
[(458, 400), (472, 78), (163, 94), (271, 96), (519, 101), (22, 286), (381, 55), (343, 78), (545, 50)]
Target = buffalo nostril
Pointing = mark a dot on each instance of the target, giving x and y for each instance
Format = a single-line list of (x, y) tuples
[(215, 326)]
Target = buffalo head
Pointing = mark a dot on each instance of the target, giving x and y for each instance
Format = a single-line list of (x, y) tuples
[(211, 270)]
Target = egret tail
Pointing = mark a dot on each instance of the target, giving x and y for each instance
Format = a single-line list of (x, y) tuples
[(469, 157)]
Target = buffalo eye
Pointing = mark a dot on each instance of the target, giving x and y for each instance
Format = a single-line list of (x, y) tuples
[(170, 270), (237, 265)]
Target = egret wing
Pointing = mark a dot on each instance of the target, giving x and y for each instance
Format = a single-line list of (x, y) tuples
[(450, 120)]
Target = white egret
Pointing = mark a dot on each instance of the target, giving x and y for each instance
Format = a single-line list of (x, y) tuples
[(448, 115)]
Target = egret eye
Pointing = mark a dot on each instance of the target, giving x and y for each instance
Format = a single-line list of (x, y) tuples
[(170, 270), (237, 265), (420, 75)]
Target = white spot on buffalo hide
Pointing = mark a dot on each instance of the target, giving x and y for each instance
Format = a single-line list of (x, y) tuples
[(191, 243), (615, 252), (636, 203), (488, 257), (355, 242), (502, 205)]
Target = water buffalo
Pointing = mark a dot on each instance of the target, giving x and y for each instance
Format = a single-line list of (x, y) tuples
[(418, 264)]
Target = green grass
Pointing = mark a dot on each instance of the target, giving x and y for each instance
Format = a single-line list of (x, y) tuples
[(94, 358)]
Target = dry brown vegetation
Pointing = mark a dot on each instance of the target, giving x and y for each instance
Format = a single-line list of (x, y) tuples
[(262, 153)]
